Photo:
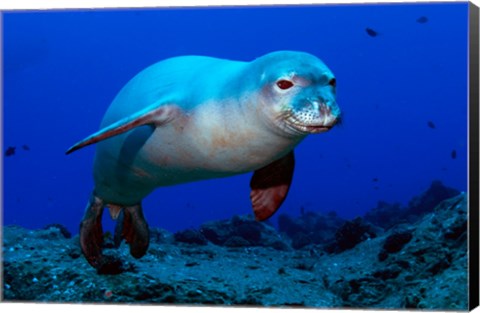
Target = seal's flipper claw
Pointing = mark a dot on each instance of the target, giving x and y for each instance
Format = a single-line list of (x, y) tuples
[(114, 210), (269, 186), (158, 114), (91, 233), (135, 231)]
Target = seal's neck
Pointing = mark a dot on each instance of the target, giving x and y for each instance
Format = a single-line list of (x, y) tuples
[(269, 128)]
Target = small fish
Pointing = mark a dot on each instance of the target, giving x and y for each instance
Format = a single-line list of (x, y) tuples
[(371, 32), (422, 19), (10, 151), (375, 179), (26, 148), (431, 125), (454, 154)]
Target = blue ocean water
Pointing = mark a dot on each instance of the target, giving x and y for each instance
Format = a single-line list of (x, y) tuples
[(402, 89)]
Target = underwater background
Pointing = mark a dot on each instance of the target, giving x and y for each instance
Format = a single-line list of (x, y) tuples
[(376, 216), (401, 73)]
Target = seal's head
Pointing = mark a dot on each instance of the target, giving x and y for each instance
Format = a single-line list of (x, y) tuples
[(298, 93)]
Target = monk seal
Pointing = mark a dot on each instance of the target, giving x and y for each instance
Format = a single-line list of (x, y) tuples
[(191, 118)]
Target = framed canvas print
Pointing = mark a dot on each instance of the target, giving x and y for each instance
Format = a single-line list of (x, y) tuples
[(317, 156)]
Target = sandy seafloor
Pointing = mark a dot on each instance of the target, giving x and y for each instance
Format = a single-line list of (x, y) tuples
[(418, 262)]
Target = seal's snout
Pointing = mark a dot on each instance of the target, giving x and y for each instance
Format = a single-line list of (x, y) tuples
[(315, 115), (330, 115), (325, 113)]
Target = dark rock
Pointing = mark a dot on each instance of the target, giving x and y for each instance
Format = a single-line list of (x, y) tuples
[(361, 292), (112, 265), (289, 225), (440, 265), (248, 230), (382, 256), (218, 232), (252, 233), (190, 264), (388, 273), (74, 252), (295, 305), (278, 245), (237, 241), (428, 272), (158, 253), (330, 247), (352, 233), (456, 230), (426, 202), (190, 236), (403, 264), (301, 240), (396, 241), (306, 265), (159, 235), (412, 302), (385, 215), (63, 230), (153, 292), (310, 228)]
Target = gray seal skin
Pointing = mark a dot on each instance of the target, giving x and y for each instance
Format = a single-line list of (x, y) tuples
[(191, 118)]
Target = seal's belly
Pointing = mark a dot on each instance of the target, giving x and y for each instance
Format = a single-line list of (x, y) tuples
[(174, 155), (129, 167)]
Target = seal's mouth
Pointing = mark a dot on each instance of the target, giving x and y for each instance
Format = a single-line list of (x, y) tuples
[(312, 117), (309, 128), (318, 124), (318, 129)]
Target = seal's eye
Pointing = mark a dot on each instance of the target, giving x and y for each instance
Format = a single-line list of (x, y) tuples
[(333, 82), (284, 84)]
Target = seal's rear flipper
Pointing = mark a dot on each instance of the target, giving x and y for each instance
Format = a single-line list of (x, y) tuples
[(134, 229), (157, 114), (91, 233), (269, 186)]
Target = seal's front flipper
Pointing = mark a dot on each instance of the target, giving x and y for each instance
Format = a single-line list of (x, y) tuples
[(134, 229), (91, 233), (269, 186), (157, 114)]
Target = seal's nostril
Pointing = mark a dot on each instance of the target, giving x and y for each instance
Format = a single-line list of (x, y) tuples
[(324, 109)]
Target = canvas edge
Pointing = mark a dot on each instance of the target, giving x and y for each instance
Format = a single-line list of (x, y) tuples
[(473, 194), (473, 129), (1, 158)]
